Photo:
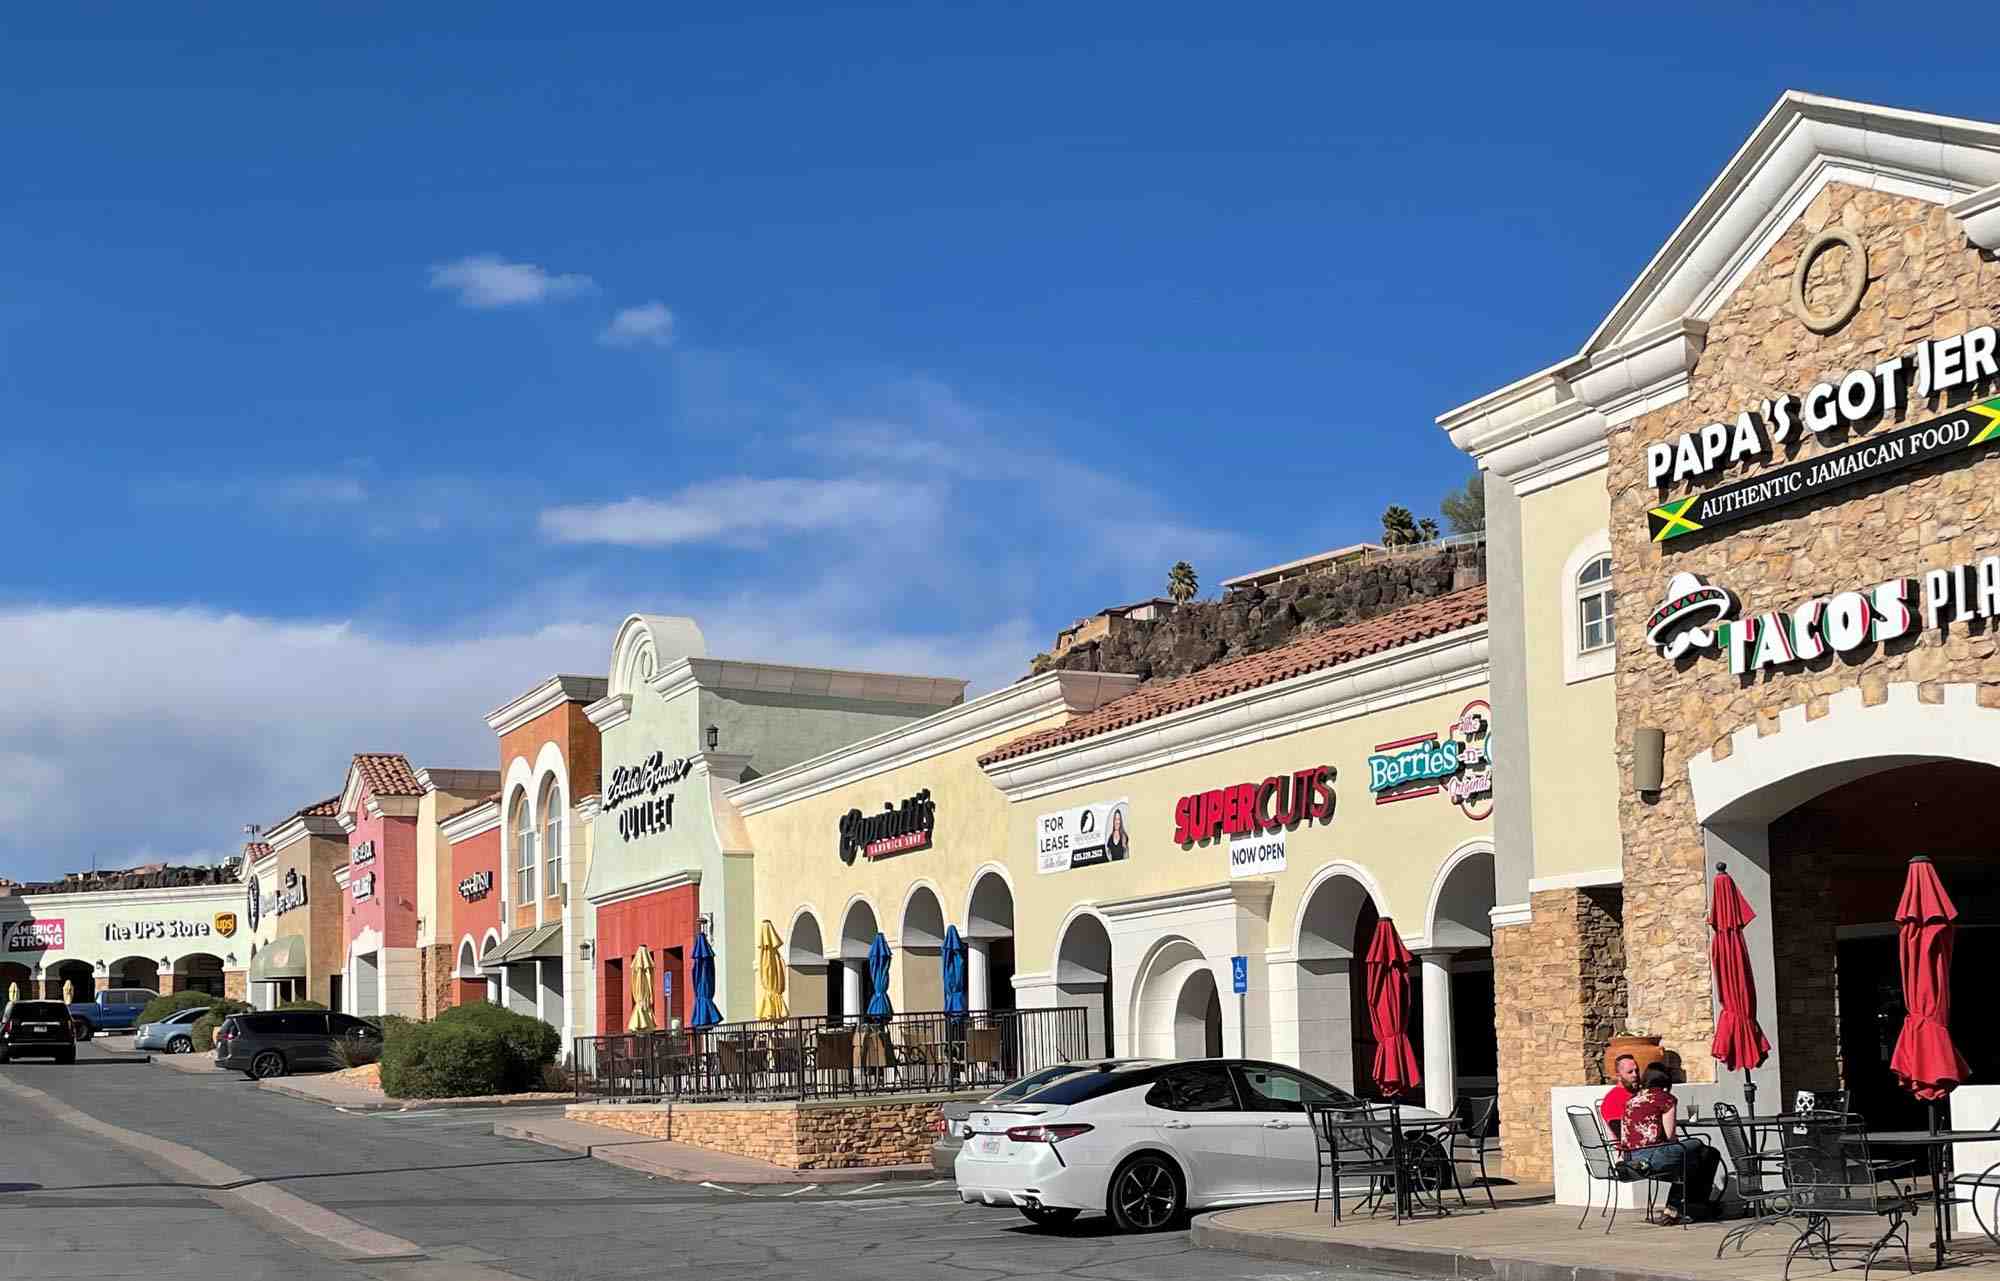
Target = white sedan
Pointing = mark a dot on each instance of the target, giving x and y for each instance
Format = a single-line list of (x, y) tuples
[(1146, 1143)]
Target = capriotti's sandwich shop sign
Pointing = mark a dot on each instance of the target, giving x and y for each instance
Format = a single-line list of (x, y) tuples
[(1698, 615)]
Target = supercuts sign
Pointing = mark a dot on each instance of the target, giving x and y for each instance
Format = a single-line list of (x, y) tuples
[(1245, 809), (896, 830), (1860, 395)]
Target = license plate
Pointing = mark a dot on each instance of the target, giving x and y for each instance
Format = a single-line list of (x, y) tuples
[(987, 1145), (42, 1027)]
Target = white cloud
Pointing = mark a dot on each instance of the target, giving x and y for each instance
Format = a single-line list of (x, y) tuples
[(741, 510), (486, 281), (647, 325), (157, 733)]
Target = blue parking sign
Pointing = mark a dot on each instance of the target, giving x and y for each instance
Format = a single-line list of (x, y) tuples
[(1239, 974)]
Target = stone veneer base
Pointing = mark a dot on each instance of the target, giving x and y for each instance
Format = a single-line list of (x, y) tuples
[(828, 1134)]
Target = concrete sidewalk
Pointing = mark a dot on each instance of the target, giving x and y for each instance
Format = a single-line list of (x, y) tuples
[(192, 1064), (354, 1098), (684, 1163), (1528, 1238)]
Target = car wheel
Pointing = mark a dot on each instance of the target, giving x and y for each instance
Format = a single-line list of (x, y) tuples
[(1049, 1216), (181, 1045), (82, 1030), (267, 1065), (1146, 1194)]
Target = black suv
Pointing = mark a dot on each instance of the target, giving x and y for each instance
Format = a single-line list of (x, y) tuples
[(280, 1041), (37, 1027)]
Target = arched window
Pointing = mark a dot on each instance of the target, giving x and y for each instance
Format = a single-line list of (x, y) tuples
[(1597, 622), (554, 821), (523, 827)]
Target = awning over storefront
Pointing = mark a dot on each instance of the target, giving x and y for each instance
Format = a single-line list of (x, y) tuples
[(285, 958), (524, 946)]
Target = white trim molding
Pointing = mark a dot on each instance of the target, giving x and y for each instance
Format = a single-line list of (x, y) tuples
[(1252, 892), (1577, 880), (1577, 665), (1979, 214), (1005, 710), (821, 682), (669, 881), (1507, 914), (545, 698), (1407, 674), (466, 824)]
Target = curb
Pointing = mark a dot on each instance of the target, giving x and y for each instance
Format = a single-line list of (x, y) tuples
[(613, 1154), (404, 1105), (1404, 1260)]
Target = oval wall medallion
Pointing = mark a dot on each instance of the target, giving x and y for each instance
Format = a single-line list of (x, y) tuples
[(1854, 279)]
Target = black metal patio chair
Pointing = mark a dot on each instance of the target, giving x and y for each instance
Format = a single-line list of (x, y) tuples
[(1468, 1139), (1601, 1164), (1352, 1142), (1759, 1175), (1829, 1177)]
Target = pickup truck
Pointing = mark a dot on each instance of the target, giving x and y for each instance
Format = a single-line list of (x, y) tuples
[(114, 1009)]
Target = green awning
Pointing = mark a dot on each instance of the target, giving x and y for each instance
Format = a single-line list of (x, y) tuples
[(523, 946), (285, 958)]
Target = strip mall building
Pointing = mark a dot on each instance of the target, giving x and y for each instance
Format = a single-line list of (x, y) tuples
[(1746, 535)]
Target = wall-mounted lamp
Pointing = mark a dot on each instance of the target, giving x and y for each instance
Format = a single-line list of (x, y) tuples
[(714, 737), (1649, 754), (704, 923), (102, 967)]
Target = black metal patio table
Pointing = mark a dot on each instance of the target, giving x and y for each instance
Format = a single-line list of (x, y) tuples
[(1940, 1142), (1401, 1158)]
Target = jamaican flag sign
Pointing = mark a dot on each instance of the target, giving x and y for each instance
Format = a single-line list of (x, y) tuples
[(1962, 430)]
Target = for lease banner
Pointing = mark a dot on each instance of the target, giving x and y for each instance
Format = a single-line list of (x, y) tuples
[(1084, 836)]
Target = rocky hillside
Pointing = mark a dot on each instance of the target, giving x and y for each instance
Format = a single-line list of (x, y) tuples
[(1202, 633)]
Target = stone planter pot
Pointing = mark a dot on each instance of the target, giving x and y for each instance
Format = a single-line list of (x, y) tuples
[(1646, 1049)]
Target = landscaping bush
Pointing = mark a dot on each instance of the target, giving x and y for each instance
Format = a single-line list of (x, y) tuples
[(393, 1025), (299, 1005), (203, 1031), (161, 1006), (440, 1060), (529, 1042)]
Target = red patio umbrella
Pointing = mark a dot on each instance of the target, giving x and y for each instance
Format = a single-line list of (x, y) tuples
[(1739, 1042), (1389, 1010), (1926, 1063)]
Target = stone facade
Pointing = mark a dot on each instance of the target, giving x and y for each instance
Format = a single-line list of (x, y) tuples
[(1560, 984), (1203, 633), (796, 1136), (235, 985), (437, 988), (1924, 281)]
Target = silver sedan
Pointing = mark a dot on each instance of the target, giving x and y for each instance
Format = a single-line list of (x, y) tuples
[(173, 1034)]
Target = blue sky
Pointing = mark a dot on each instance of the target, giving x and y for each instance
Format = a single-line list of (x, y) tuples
[(359, 368)]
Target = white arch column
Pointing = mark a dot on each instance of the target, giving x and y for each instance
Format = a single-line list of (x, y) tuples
[(978, 983), (1440, 1055)]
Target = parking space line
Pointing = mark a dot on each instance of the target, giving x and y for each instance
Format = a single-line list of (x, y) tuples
[(858, 1191), (807, 1188)]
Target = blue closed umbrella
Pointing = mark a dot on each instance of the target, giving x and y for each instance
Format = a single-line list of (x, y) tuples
[(704, 1012), (954, 971), (878, 976)]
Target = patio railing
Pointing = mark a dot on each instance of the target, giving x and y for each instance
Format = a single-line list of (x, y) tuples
[(827, 1057)]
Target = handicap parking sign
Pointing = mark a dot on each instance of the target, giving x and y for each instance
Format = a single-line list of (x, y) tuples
[(1239, 974)]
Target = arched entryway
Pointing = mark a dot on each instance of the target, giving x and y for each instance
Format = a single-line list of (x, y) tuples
[(1198, 1017), (199, 972), (1455, 1031), (135, 971), (1171, 1005), (471, 980), (13, 974), (1083, 977), (78, 974), (989, 943), (920, 955), (808, 987), (1816, 824), (857, 931), (1338, 914)]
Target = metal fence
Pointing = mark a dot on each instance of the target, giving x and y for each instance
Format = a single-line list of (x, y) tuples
[(827, 1057)]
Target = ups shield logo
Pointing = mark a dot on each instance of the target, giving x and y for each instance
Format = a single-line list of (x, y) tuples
[(225, 924)]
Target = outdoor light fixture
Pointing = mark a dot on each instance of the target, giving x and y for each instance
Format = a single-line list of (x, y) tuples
[(1649, 750), (714, 737), (705, 922)]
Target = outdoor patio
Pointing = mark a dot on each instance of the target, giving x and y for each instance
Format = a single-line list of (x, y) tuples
[(1529, 1238)]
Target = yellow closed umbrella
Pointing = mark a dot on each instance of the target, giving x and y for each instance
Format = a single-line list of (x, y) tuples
[(13, 993), (69, 991), (642, 993), (770, 974)]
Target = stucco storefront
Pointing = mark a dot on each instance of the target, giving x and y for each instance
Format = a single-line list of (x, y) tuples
[(292, 910), (1255, 829), (902, 833), (188, 938), (670, 853), (1784, 428)]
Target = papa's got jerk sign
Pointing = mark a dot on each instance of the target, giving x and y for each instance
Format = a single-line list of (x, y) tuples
[(1933, 368), (1702, 616)]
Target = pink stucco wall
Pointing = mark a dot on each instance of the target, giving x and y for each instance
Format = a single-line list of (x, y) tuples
[(392, 910)]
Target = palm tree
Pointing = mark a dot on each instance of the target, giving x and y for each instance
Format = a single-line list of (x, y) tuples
[(1181, 582), (1398, 526)]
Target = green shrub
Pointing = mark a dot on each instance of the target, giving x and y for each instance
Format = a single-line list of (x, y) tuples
[(161, 1006), (203, 1031), (529, 1042), (441, 1060), (299, 1005), (393, 1025)]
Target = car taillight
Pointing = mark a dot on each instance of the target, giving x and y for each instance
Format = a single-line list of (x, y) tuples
[(1046, 1133), (7, 1028), (939, 1125)]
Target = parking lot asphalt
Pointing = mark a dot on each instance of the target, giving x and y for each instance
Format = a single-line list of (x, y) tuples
[(490, 1206)]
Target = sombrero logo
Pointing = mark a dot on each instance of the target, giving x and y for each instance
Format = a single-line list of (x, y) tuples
[(1688, 618)]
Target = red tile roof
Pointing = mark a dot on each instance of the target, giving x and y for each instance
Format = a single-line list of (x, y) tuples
[(256, 849), (387, 774), (320, 809), (1419, 621)]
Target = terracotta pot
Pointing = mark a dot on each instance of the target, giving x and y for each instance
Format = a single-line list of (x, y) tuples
[(1646, 1049)]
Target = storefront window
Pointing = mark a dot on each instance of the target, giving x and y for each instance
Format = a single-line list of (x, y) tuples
[(552, 838), (524, 848), (1595, 597)]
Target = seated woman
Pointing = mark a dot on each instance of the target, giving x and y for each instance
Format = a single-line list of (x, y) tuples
[(1653, 1148)]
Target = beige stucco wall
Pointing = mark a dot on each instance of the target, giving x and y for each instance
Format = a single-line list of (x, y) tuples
[(797, 863), (1574, 785)]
